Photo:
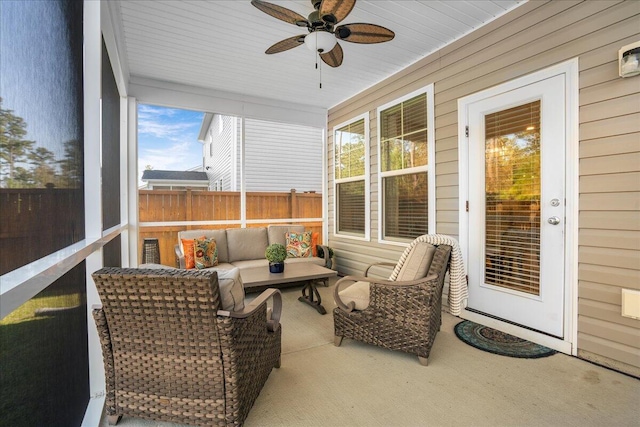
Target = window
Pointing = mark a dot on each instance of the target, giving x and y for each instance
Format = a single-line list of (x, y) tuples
[(351, 170), (406, 179)]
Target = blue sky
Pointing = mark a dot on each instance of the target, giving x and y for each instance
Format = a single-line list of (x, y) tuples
[(168, 138)]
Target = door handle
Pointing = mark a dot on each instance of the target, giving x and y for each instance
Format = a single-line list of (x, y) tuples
[(554, 220)]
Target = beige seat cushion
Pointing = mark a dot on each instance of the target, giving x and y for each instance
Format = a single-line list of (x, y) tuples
[(415, 267), (246, 243), (314, 260), (357, 293)]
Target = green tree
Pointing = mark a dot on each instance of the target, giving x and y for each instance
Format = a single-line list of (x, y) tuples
[(43, 171), (71, 166), (14, 148), (22, 178)]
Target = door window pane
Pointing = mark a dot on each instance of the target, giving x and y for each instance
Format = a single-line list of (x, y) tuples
[(512, 185)]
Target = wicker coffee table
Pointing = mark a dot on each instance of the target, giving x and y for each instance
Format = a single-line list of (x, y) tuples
[(258, 278)]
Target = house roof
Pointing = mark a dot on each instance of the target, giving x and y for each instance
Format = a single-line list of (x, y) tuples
[(164, 175)]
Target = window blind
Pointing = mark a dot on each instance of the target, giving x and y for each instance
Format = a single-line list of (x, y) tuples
[(512, 188), (351, 206), (406, 206)]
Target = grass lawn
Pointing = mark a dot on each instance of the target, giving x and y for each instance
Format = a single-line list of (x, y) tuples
[(43, 359)]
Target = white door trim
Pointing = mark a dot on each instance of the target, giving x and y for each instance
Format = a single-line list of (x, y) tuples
[(570, 71)]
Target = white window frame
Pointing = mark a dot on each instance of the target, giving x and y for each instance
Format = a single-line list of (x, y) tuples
[(367, 179), (429, 167)]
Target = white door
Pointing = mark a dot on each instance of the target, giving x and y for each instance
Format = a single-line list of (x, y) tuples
[(516, 152)]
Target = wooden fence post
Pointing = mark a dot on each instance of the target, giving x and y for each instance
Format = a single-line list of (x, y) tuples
[(188, 203), (294, 204)]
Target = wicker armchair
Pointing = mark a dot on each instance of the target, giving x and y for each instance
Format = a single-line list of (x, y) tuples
[(171, 354), (401, 315)]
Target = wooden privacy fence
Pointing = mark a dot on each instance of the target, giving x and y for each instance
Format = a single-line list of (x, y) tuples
[(187, 205), (34, 222)]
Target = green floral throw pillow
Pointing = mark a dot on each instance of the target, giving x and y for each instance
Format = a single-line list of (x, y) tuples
[(299, 244), (205, 253)]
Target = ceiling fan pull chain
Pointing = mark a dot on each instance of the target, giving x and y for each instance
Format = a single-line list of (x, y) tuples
[(319, 69)]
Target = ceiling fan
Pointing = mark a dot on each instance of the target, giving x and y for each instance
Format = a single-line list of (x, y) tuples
[(323, 34)]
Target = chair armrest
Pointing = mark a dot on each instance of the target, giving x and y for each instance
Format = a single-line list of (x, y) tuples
[(378, 264), (325, 252), (377, 282), (180, 262), (274, 322)]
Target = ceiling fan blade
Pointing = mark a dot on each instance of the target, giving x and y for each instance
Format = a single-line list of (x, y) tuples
[(364, 33), (334, 11), (281, 13), (333, 58), (286, 44)]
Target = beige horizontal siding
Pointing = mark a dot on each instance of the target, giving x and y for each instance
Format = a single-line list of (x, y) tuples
[(623, 201), (616, 332), (599, 292), (615, 182), (614, 239), (616, 144), (609, 353), (532, 37), (608, 275)]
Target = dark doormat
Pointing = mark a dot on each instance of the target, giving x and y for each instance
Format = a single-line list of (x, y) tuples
[(493, 341)]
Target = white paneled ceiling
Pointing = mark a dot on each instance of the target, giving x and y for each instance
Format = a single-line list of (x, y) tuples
[(220, 44)]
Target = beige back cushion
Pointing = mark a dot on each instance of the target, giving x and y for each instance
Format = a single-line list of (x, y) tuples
[(231, 289), (417, 263), (277, 232), (246, 243), (220, 237)]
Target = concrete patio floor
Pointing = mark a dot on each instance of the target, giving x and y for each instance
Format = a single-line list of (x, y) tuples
[(362, 385)]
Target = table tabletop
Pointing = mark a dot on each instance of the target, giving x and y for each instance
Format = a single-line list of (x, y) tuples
[(298, 272)]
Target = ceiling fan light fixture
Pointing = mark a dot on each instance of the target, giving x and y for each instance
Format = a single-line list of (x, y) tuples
[(320, 41)]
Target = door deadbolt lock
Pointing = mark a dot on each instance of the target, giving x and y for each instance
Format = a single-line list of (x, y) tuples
[(555, 202), (554, 220)]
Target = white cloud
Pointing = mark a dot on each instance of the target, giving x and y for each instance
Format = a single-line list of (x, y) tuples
[(172, 157), (152, 126)]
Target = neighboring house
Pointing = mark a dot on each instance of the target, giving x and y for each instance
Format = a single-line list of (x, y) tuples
[(175, 180), (220, 136), (278, 156)]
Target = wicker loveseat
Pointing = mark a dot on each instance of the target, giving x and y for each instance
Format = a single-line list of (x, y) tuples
[(171, 354), (402, 313), (244, 247)]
